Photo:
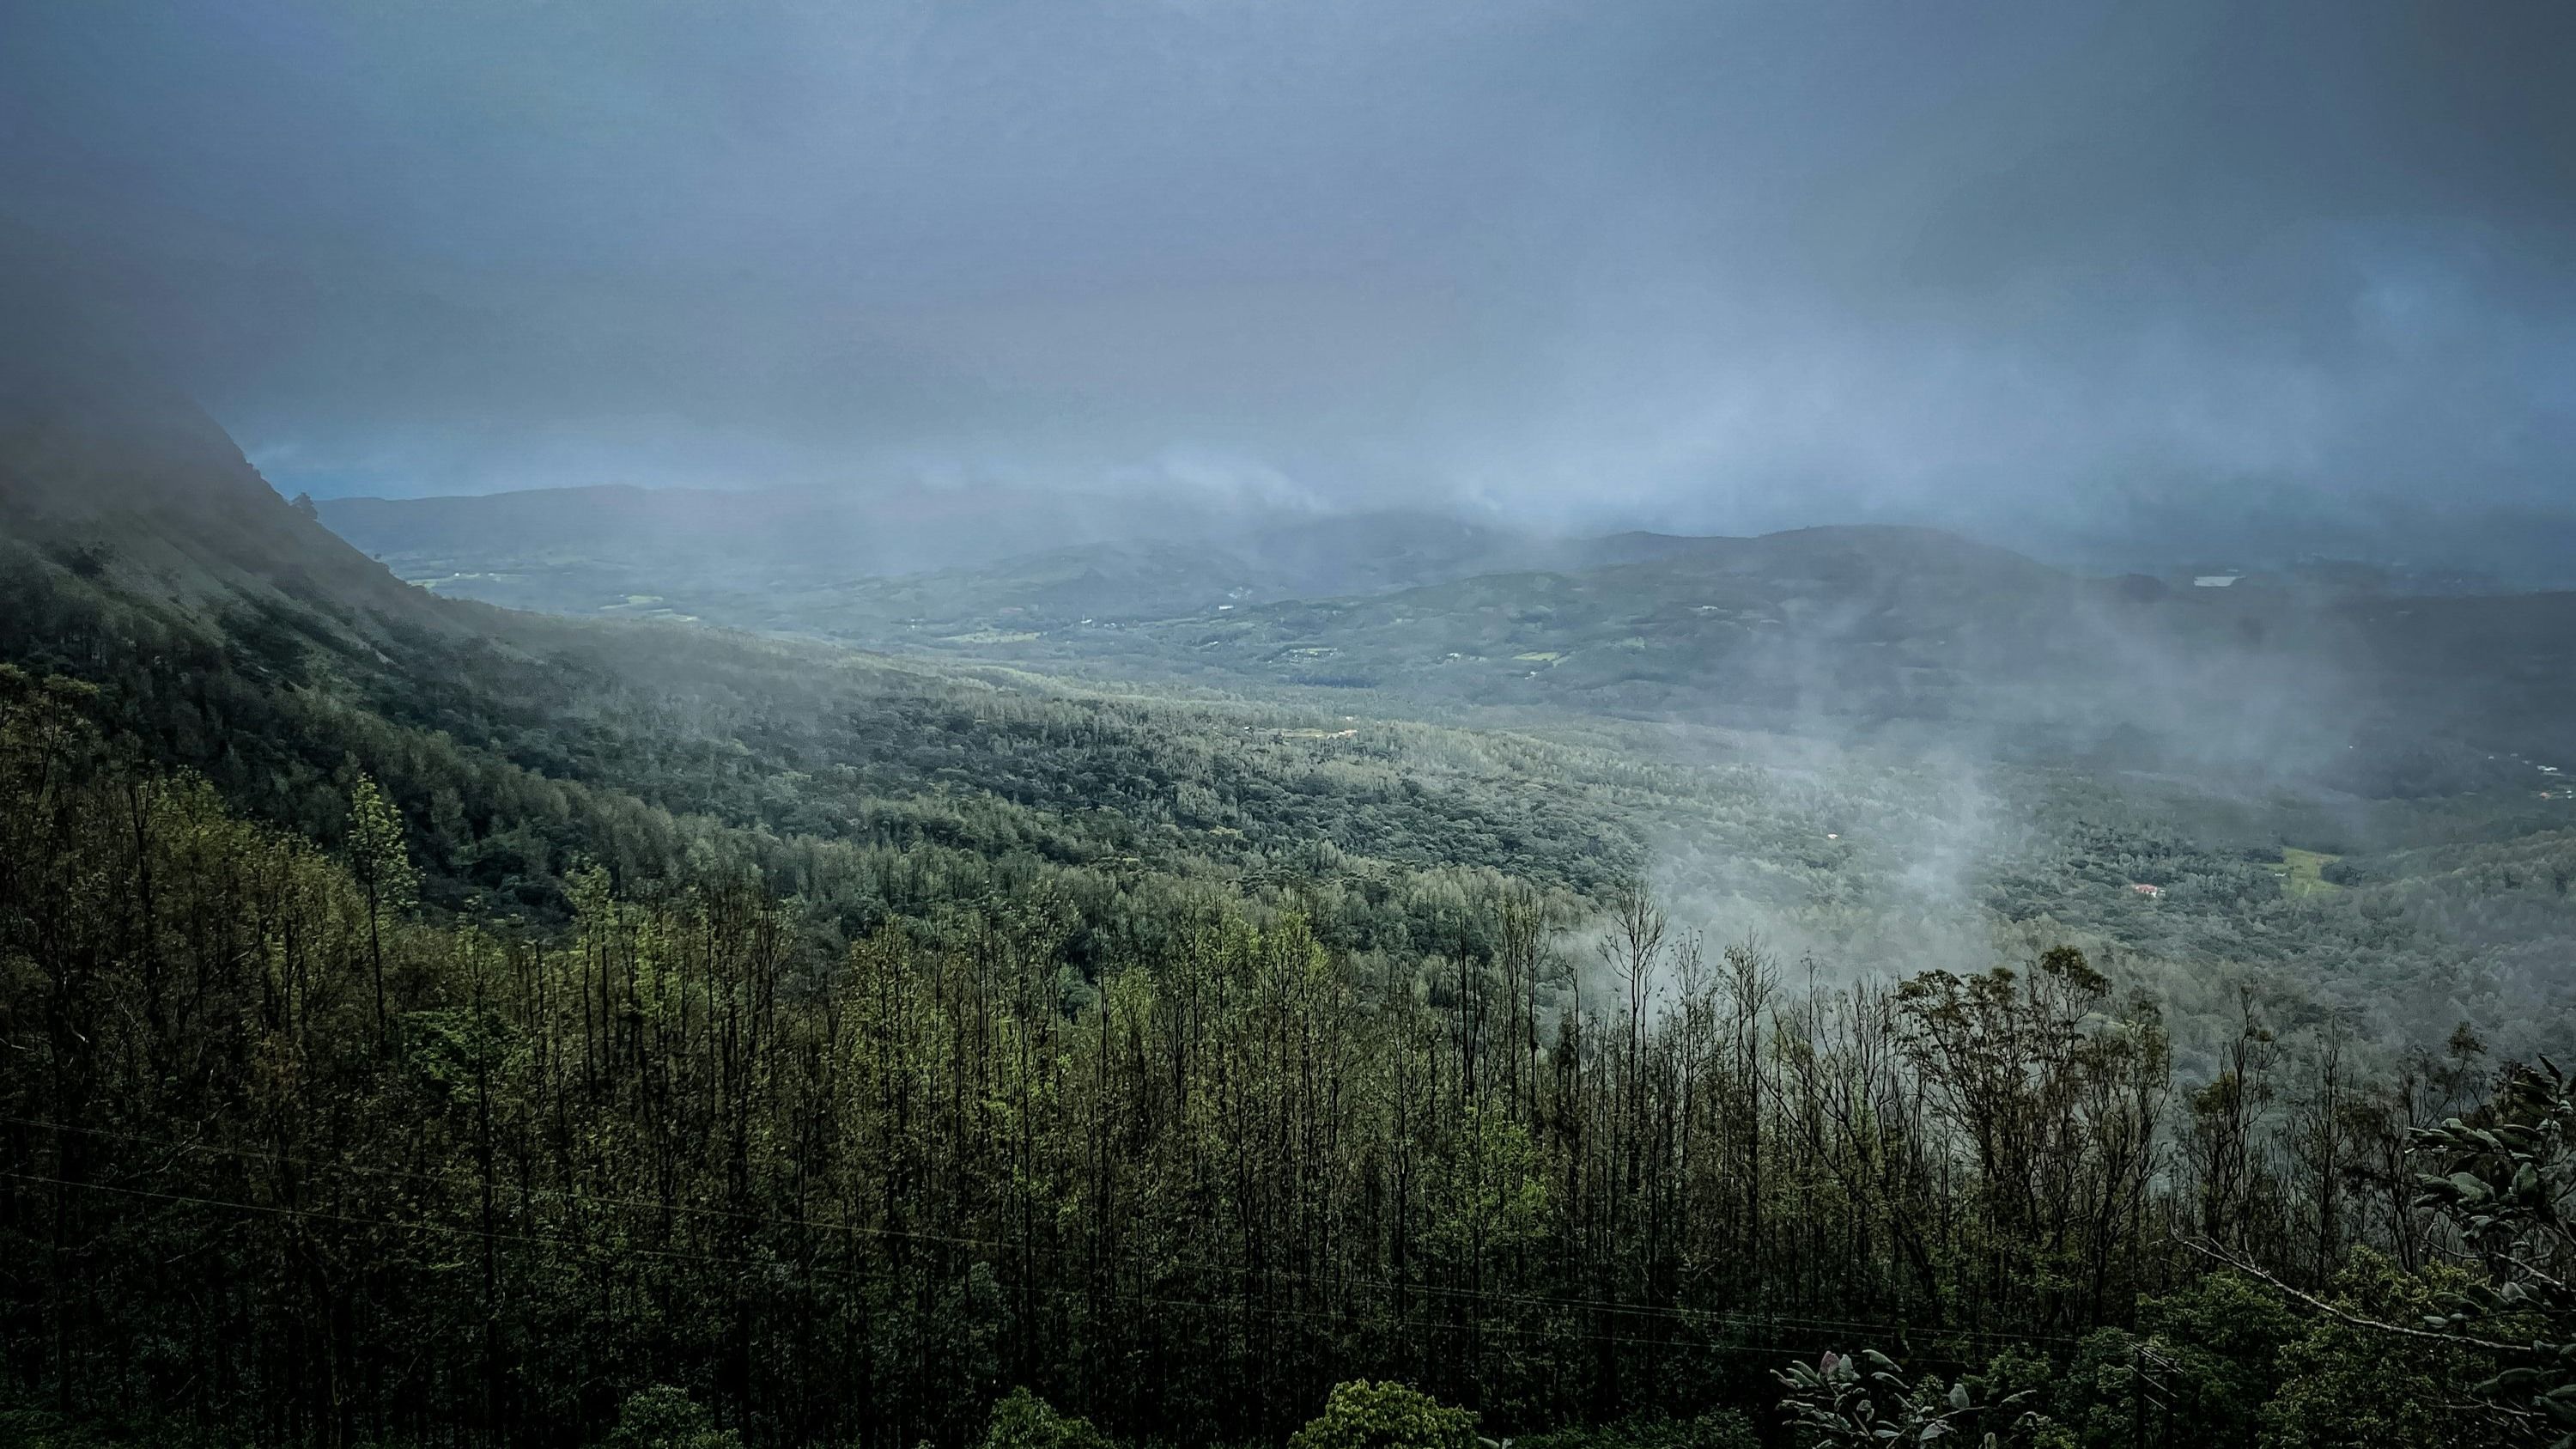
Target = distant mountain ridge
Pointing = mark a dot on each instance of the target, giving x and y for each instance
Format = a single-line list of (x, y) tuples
[(204, 626), (883, 531), (857, 565), (1840, 628), (854, 532)]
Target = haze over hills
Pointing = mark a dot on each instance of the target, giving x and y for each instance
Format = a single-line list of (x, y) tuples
[(248, 642), (1420, 725), (1913, 638), (852, 531), (2333, 674), (1124, 554), (1712, 709), (716, 925), (1846, 649)]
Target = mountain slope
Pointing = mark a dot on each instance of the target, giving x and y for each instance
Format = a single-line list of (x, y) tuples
[(226, 634), (130, 485)]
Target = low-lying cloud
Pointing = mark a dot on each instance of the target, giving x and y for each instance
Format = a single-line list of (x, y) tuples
[(2065, 274)]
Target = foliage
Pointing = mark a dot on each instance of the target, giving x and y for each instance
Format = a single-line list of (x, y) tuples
[(1869, 1401), (662, 1417), (430, 1025), (1022, 1420), (2199, 1367), (2507, 1178), (683, 1139), (1363, 1415), (378, 854), (2348, 1384)]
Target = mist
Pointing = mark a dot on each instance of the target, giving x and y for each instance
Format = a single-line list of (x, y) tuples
[(2103, 282), (1094, 722)]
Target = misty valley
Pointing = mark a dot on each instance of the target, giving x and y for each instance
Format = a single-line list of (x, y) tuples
[(1857, 745), (1571, 977), (1287, 724)]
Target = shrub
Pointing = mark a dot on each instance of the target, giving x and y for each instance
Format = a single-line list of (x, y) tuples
[(663, 1417), (1363, 1415), (1022, 1420)]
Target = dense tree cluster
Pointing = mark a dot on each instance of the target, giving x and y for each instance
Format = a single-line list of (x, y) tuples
[(284, 1158), (521, 751), (421, 1025)]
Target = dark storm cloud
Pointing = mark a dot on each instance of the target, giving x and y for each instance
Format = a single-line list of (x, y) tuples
[(2057, 270)]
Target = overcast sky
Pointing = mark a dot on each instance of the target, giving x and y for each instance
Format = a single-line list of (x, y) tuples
[(2024, 268)]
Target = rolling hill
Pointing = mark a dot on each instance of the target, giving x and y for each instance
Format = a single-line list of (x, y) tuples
[(872, 566), (217, 630), (1910, 636), (720, 938)]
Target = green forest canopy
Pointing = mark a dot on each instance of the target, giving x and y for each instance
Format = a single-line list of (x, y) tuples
[(429, 1024)]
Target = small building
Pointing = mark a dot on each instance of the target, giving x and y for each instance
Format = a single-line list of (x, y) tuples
[(2144, 889)]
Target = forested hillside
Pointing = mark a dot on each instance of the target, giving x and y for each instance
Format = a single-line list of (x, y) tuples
[(286, 1158), (426, 1023), (1912, 636)]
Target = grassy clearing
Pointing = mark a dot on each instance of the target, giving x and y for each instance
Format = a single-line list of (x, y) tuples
[(2301, 872)]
